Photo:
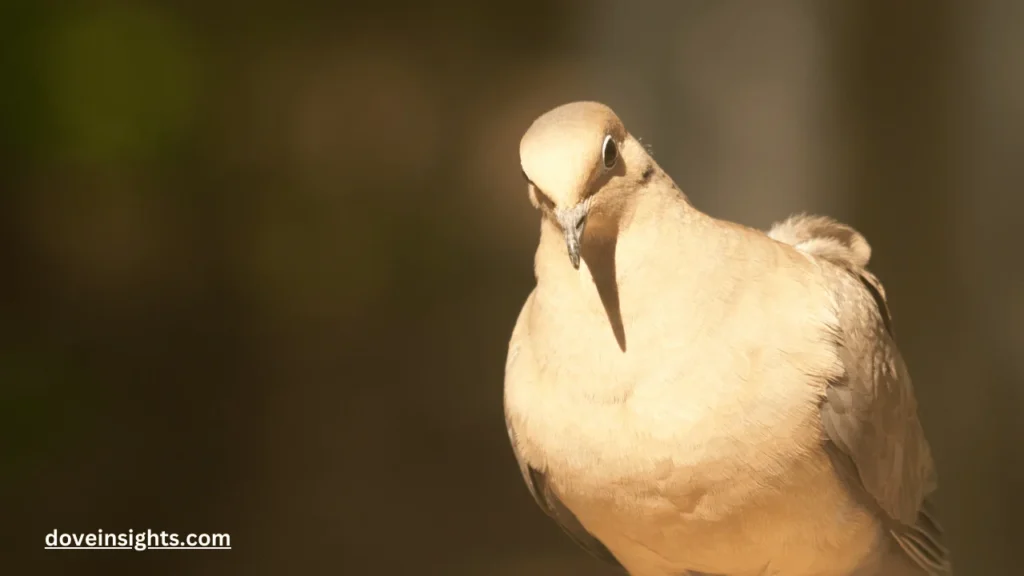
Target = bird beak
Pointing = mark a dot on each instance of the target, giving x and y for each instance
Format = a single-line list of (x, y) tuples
[(573, 221)]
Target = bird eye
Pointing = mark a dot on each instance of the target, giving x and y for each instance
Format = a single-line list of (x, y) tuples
[(609, 153)]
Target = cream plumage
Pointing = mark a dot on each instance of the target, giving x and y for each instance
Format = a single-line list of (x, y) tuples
[(686, 395)]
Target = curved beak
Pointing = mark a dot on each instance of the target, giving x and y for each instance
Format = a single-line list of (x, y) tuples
[(573, 222)]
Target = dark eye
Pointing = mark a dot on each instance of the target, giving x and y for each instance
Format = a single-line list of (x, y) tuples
[(609, 153)]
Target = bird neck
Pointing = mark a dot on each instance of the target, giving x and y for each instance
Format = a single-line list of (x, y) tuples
[(656, 238)]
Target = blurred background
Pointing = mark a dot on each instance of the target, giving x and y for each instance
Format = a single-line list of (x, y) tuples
[(260, 261)]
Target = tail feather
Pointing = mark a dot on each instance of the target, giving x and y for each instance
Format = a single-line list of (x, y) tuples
[(923, 543)]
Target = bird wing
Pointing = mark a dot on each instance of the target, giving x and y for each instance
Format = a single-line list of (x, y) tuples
[(870, 412)]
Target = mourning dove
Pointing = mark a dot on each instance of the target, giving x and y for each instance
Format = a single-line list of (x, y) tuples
[(686, 395)]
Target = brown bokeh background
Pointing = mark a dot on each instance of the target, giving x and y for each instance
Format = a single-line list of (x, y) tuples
[(260, 262)]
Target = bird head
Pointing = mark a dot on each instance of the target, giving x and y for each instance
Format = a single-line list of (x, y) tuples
[(582, 167)]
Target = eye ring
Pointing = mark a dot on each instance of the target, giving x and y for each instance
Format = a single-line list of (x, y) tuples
[(609, 152)]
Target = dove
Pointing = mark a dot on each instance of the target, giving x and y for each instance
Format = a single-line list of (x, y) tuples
[(686, 395)]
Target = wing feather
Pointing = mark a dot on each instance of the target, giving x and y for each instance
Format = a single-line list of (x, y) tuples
[(870, 413)]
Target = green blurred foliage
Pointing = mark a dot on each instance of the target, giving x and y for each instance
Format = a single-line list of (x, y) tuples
[(23, 115), (121, 82), (44, 403)]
